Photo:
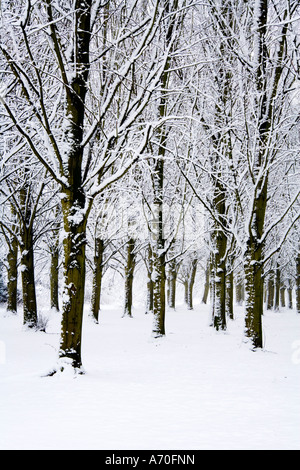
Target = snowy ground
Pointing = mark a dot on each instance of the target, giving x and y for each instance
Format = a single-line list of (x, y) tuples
[(195, 389)]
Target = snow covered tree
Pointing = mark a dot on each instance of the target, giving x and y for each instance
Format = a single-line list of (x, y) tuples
[(64, 60), (200, 101), (3, 288), (247, 115), (273, 77), (170, 28), (12, 264), (19, 221)]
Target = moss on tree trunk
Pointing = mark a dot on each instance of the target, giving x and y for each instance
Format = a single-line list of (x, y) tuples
[(74, 244)]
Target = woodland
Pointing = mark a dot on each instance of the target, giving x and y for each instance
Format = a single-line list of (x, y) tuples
[(150, 139)]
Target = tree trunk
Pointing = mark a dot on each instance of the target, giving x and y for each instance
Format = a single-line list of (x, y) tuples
[(191, 282), (28, 279), (219, 310), (26, 217), (270, 291), (212, 289), (172, 284), (149, 304), (159, 307), (186, 291), (54, 272), (298, 283), (158, 257), (254, 270), (206, 284), (229, 295), (97, 278), (277, 288), (254, 296), (129, 271), (158, 242), (282, 296), (239, 290), (74, 244), (12, 283), (290, 294), (219, 272)]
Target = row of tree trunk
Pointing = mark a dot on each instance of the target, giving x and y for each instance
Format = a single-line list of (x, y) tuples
[(276, 293)]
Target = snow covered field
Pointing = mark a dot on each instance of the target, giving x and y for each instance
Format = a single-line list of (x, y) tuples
[(195, 389)]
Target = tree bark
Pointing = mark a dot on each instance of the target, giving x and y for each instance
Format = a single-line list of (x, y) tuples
[(12, 283), (97, 278), (172, 277), (149, 265), (159, 295), (254, 297), (270, 291), (158, 244), (282, 296), (254, 270), (129, 271), (277, 288), (158, 261), (186, 291), (219, 273), (219, 307), (290, 294), (212, 290), (28, 279), (26, 218), (206, 284), (229, 295), (54, 273), (191, 282), (239, 290), (74, 244)]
